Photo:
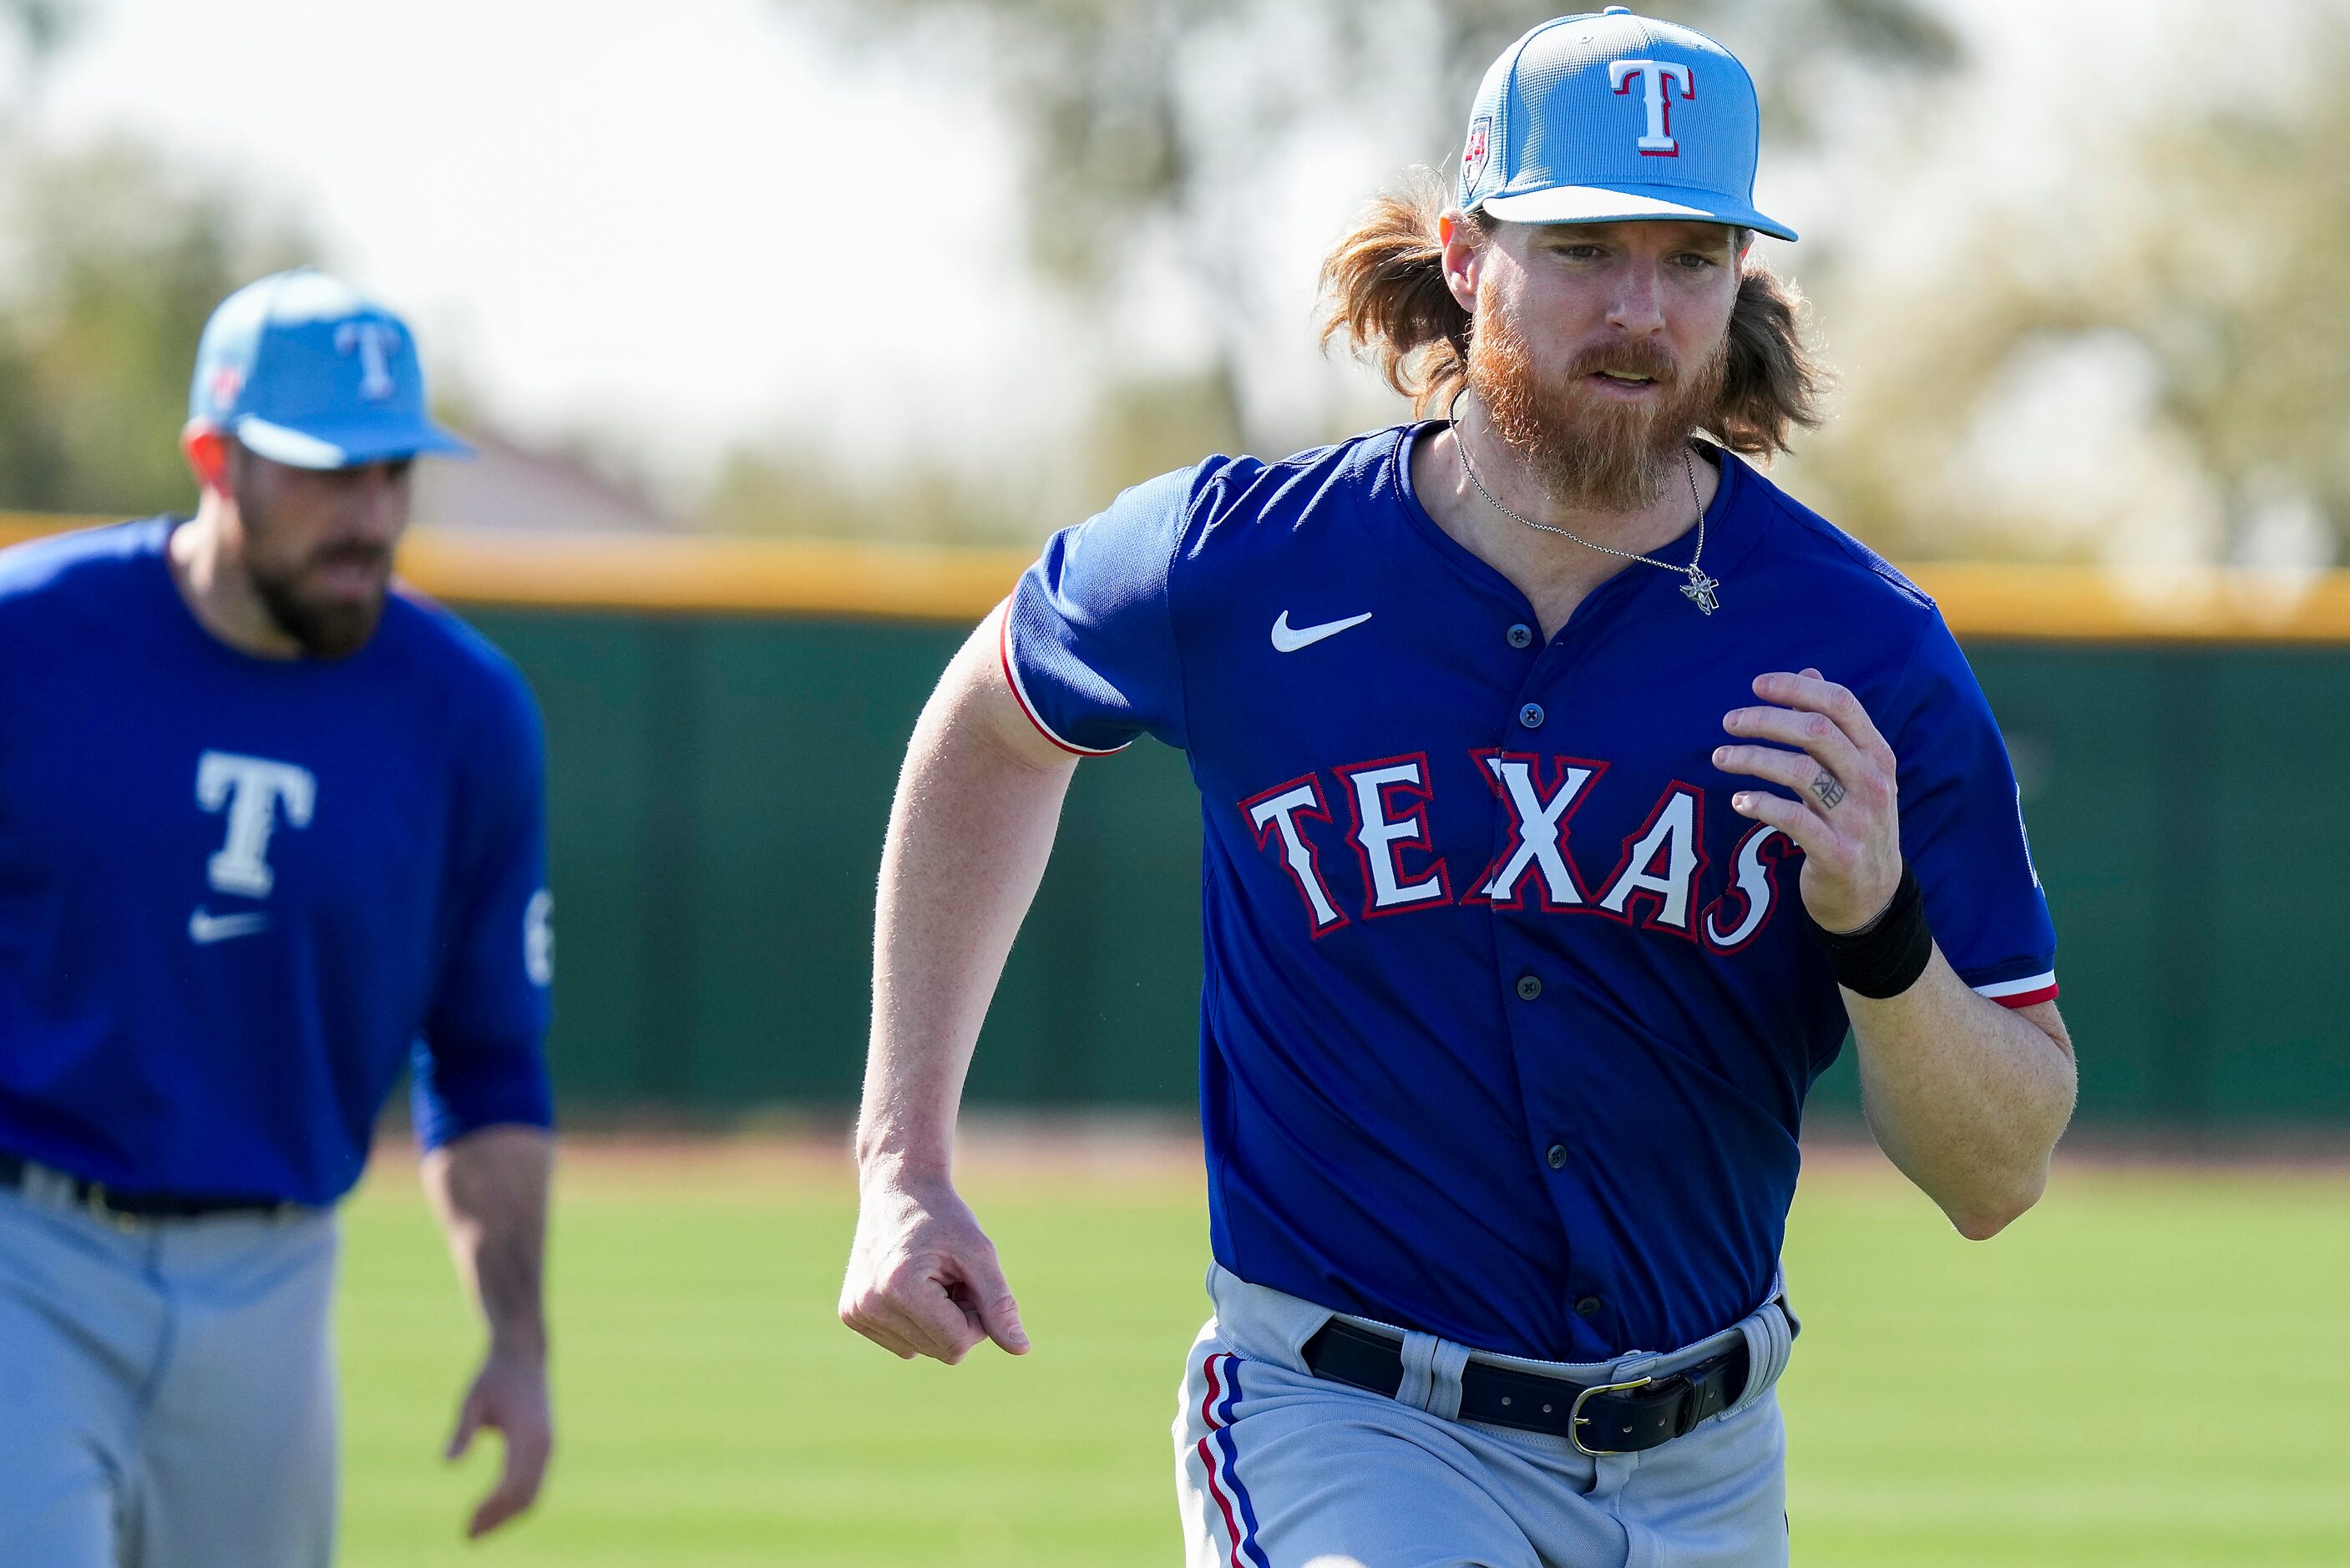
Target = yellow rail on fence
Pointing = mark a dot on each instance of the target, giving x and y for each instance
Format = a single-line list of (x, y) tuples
[(689, 573), (686, 573)]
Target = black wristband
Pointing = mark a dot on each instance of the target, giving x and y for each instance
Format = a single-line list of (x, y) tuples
[(1885, 957)]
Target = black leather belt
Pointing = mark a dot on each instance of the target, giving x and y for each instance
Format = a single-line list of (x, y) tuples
[(1627, 1417), (109, 1203)]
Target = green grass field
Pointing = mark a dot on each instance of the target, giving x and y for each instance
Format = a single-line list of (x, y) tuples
[(2151, 1369)]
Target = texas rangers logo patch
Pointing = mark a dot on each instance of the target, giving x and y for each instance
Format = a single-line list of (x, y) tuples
[(1472, 156)]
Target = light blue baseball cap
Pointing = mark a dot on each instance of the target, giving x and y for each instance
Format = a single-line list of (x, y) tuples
[(1608, 116), (304, 370)]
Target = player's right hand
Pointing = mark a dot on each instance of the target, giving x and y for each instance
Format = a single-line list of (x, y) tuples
[(923, 1278)]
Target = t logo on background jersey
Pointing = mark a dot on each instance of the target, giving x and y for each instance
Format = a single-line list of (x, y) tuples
[(376, 341), (1660, 76), (251, 788)]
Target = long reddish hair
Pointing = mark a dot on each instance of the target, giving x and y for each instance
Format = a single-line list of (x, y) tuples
[(1384, 283)]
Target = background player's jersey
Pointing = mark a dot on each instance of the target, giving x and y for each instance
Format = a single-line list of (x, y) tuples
[(1508, 1019), (236, 892)]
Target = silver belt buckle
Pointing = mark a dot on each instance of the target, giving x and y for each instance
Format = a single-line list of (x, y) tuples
[(1576, 1420)]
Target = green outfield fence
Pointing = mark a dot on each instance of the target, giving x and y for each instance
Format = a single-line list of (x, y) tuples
[(720, 786), (725, 721)]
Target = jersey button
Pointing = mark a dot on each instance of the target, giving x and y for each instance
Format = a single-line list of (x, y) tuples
[(1522, 636), (1531, 715), (1529, 987), (1587, 1307), (1558, 1157)]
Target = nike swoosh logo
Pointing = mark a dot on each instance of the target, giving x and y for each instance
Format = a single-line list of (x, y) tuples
[(205, 928), (1289, 640)]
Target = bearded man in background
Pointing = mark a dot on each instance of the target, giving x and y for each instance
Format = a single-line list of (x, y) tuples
[(272, 830)]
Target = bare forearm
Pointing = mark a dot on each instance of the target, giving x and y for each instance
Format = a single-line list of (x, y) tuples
[(969, 833), (490, 1190), (1967, 1097)]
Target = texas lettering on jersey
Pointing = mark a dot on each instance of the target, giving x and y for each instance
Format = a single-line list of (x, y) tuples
[(1659, 881)]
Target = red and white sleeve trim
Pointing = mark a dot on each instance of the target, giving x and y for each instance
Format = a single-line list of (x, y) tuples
[(1019, 693), (2021, 992)]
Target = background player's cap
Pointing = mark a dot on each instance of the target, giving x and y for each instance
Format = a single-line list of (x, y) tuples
[(307, 371), (1607, 116)]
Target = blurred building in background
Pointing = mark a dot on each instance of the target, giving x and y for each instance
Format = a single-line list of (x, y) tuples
[(508, 486)]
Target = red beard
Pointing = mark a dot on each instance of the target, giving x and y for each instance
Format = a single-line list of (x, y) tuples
[(1591, 453)]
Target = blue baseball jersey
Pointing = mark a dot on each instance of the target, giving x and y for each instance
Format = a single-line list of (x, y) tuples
[(237, 895), (1507, 1018)]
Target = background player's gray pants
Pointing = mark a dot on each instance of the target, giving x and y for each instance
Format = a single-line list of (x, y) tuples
[(1277, 1469), (167, 1396)]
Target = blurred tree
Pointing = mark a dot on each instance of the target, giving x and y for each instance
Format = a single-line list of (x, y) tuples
[(45, 25), (1122, 131), (117, 264), (790, 491), (2165, 346), (1152, 125), (113, 262)]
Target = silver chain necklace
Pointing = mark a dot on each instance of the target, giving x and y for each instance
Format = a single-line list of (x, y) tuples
[(1700, 589)]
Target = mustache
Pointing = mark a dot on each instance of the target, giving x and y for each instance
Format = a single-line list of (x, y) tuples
[(352, 554), (1641, 358)]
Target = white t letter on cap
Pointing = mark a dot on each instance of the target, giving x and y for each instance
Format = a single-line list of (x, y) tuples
[(375, 340), (1655, 74)]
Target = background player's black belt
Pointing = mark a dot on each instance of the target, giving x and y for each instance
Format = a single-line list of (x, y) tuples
[(106, 1201), (1627, 1417)]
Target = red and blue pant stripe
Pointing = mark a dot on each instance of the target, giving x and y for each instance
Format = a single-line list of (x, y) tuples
[(1220, 1459)]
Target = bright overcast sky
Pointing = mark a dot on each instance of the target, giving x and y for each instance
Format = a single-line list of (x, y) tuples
[(694, 224)]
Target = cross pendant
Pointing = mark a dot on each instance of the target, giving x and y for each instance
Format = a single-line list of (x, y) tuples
[(1700, 588)]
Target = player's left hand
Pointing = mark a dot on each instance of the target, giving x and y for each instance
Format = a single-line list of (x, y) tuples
[(1842, 774), (509, 1394)]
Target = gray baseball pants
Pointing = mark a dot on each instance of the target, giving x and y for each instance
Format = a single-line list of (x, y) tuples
[(1278, 1469), (167, 1389)]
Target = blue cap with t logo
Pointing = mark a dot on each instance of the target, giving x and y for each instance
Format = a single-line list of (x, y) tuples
[(1607, 118), (305, 371)]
